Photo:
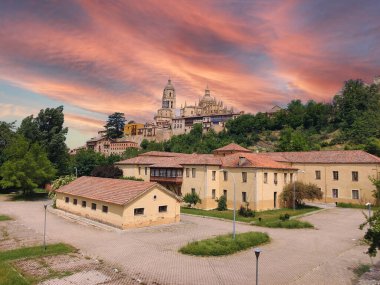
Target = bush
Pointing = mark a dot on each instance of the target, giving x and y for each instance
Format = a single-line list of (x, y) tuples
[(284, 217), (303, 192), (246, 212), (222, 203), (192, 199), (287, 224), (132, 178), (223, 245), (107, 171)]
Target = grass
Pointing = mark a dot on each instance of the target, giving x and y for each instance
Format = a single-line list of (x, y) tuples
[(5, 218), (361, 269), (356, 206), (10, 276), (270, 218), (224, 245)]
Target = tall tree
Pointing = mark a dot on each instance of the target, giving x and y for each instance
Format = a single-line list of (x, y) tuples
[(27, 166), (7, 133), (115, 125), (86, 160)]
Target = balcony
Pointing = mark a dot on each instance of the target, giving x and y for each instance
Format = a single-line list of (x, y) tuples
[(166, 175), (159, 179)]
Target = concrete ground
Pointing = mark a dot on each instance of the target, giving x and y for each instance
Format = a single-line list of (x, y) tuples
[(325, 255)]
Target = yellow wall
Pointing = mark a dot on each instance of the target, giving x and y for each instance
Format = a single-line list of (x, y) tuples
[(133, 170), (123, 216), (128, 128)]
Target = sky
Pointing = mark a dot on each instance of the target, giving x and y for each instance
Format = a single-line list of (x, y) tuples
[(100, 57)]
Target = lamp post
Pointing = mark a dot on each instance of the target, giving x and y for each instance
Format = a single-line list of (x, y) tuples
[(234, 220), (369, 209), (257, 253), (45, 206), (294, 189)]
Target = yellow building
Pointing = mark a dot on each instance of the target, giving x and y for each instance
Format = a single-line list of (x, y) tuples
[(257, 179), (133, 129), (343, 175), (121, 203)]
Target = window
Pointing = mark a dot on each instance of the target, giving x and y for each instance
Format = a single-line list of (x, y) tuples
[(355, 194), (275, 179), (75, 201), (192, 190), (67, 199), (139, 211), (105, 209), (318, 175), (355, 176), (213, 175), (163, 209), (84, 204), (213, 192), (93, 206), (291, 177), (146, 170), (335, 175), (225, 175), (244, 196), (193, 172), (187, 172), (139, 170), (244, 176), (285, 177), (265, 177), (225, 193), (335, 193)]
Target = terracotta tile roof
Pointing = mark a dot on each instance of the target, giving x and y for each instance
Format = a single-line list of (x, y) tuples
[(163, 153), (116, 191), (328, 156), (253, 160), (232, 147)]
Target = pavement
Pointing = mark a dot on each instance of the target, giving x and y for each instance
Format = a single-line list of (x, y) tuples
[(325, 255)]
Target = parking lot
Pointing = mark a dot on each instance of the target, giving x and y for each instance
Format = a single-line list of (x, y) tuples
[(325, 255)]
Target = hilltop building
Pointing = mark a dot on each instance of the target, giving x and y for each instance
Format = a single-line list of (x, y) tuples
[(110, 146), (258, 177)]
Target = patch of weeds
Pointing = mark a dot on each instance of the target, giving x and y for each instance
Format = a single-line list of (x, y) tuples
[(361, 269), (5, 234), (5, 218)]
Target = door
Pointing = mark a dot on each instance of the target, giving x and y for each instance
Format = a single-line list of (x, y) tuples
[(275, 200)]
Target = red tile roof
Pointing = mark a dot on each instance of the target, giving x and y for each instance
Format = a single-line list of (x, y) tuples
[(232, 147), (327, 156), (115, 191)]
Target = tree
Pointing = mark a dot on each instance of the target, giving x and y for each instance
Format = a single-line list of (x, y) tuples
[(7, 134), (293, 140), (47, 130), (86, 160), (303, 192), (27, 166), (115, 125), (376, 193), (222, 203), (373, 146), (58, 183), (191, 199), (107, 171)]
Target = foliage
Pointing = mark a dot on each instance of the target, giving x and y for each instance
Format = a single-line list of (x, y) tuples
[(27, 166), (115, 125), (222, 203), (372, 236), (86, 160), (284, 217), (192, 199), (47, 130), (246, 212), (303, 192), (6, 136), (376, 193), (4, 218), (355, 206), (131, 153), (107, 171), (288, 224), (225, 244), (373, 146), (58, 183), (361, 269), (132, 178)]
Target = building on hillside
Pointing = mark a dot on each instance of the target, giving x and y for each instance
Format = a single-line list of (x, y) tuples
[(133, 129), (110, 146), (76, 150), (343, 175), (273, 110), (121, 203), (258, 179)]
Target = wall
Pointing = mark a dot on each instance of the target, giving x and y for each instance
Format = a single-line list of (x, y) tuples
[(113, 217), (133, 170), (151, 214)]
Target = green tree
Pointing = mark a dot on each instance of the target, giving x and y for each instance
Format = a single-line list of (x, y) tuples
[(115, 125), (222, 203), (27, 166), (373, 146), (86, 160), (7, 134), (107, 171), (293, 140), (303, 192), (192, 199), (58, 183)]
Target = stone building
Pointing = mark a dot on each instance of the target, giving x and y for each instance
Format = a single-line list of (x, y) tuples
[(110, 146)]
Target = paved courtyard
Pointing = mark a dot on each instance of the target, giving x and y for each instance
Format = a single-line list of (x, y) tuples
[(325, 255)]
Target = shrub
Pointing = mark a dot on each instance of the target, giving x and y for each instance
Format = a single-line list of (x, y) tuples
[(284, 217), (107, 171), (132, 178), (192, 199), (246, 212), (222, 203), (288, 224), (303, 192)]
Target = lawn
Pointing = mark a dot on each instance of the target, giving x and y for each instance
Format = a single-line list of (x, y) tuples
[(5, 218), (270, 218), (8, 274), (225, 244), (357, 206)]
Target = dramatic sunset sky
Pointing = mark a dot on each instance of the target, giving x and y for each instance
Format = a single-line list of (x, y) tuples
[(99, 57)]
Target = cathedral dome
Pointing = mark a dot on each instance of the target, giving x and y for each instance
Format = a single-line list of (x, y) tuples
[(207, 97), (169, 86)]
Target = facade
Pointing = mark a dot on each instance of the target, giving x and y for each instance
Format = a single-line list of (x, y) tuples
[(343, 176), (107, 146), (120, 203), (257, 179), (133, 129)]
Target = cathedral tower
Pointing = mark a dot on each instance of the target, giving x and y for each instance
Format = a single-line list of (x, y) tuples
[(168, 96)]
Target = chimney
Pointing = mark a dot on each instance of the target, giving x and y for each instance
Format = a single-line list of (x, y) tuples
[(242, 160)]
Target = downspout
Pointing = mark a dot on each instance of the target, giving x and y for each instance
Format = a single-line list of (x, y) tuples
[(325, 186), (205, 186)]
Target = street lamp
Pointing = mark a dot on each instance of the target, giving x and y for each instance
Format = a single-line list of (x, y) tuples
[(294, 190), (234, 220), (257, 253), (45, 206)]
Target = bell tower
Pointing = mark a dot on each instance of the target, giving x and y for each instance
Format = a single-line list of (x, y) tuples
[(168, 96)]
